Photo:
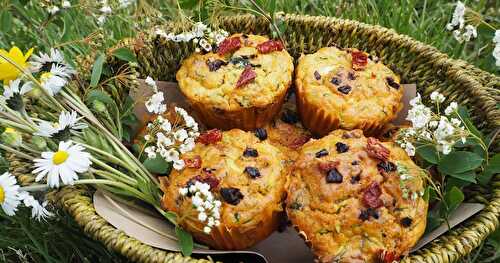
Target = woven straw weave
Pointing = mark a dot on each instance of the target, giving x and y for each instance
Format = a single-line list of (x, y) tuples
[(414, 61)]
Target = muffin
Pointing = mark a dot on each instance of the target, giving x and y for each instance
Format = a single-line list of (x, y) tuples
[(356, 199), (242, 85), (247, 178), (346, 89)]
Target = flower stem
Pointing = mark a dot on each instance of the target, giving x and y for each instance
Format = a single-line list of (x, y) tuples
[(12, 150)]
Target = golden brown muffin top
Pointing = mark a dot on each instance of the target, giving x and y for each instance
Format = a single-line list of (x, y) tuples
[(355, 90), (216, 79), (356, 199), (250, 171)]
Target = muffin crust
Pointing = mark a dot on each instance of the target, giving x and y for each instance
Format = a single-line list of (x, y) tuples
[(238, 161), (346, 89), (350, 204)]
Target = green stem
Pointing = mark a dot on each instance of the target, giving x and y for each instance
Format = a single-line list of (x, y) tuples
[(18, 153), (35, 188), (119, 175), (119, 185)]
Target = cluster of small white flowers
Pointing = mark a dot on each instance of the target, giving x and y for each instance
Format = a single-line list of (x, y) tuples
[(155, 103), (496, 50), (461, 32), (171, 140), (428, 127), (201, 34), (105, 10), (125, 3), (53, 9), (204, 202)]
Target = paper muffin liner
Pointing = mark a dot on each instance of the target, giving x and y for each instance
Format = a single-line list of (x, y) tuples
[(320, 122), (244, 118), (238, 237)]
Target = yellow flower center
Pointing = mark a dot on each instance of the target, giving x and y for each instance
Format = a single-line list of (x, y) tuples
[(45, 76), (2, 195), (60, 157), (10, 130)]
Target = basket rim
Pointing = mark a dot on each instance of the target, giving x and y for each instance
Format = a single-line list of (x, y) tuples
[(449, 247)]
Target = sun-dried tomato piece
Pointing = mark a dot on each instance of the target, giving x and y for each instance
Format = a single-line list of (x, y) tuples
[(194, 162), (371, 196), (211, 180), (359, 60), (388, 256), (229, 45), (210, 136), (325, 167), (270, 46), (299, 141), (247, 76), (208, 179), (376, 149)]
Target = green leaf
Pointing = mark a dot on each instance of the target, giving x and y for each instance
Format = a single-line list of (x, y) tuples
[(459, 183), (125, 54), (100, 96), (453, 198), (459, 162), (492, 168), (97, 70), (158, 165), (464, 114), (428, 153), (185, 241), (427, 194), (5, 21), (469, 176)]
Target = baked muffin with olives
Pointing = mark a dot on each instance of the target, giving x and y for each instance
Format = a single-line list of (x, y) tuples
[(356, 199), (245, 177), (344, 88), (241, 85)]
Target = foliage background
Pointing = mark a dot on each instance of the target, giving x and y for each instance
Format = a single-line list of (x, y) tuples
[(26, 23)]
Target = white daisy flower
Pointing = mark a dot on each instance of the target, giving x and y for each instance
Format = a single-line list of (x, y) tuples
[(13, 88), (68, 121), (38, 211), (9, 194), (55, 79), (44, 61), (12, 94), (207, 230), (63, 165)]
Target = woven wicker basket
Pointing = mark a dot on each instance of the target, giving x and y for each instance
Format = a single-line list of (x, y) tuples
[(413, 61)]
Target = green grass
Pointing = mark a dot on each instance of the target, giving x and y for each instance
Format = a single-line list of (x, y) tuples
[(27, 24)]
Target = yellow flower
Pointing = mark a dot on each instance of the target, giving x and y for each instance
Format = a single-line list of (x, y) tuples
[(8, 71)]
